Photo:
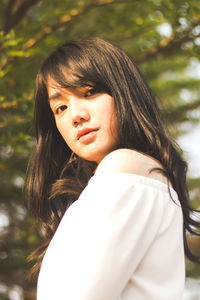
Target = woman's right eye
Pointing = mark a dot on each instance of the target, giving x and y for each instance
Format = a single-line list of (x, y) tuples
[(60, 109)]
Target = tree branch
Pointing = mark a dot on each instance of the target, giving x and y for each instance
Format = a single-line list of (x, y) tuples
[(179, 111), (15, 12), (65, 19), (169, 44), (14, 123), (47, 30), (166, 46), (10, 11)]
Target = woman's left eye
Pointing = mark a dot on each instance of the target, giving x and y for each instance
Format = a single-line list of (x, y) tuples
[(91, 92)]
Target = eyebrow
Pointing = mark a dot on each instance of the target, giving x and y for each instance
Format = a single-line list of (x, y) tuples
[(54, 96)]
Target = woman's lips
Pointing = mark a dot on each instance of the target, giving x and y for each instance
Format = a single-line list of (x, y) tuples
[(84, 132), (86, 135)]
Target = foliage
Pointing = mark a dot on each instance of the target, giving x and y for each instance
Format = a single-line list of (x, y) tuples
[(162, 35)]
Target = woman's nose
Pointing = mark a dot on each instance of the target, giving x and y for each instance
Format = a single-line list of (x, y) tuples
[(79, 112)]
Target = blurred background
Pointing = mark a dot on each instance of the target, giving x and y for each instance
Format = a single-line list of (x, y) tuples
[(164, 38)]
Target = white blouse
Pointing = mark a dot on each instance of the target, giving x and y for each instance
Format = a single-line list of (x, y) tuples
[(121, 240)]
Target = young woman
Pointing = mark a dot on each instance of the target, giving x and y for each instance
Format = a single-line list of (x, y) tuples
[(106, 181)]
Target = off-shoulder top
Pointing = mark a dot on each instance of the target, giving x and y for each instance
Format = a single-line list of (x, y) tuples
[(121, 240)]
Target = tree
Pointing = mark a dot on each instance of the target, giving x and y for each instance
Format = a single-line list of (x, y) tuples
[(162, 35)]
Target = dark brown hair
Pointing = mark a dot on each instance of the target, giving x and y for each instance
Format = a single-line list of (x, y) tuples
[(57, 176)]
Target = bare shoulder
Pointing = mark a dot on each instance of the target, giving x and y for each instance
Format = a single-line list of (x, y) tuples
[(130, 161), (126, 161)]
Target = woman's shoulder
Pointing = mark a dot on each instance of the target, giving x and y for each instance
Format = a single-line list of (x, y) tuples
[(132, 162), (127, 161)]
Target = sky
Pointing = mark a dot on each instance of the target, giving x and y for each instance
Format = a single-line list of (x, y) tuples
[(190, 144)]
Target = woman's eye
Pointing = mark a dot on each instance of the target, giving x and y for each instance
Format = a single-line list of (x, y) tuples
[(60, 109), (91, 92)]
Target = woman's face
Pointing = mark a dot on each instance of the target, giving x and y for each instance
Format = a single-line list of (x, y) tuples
[(86, 119)]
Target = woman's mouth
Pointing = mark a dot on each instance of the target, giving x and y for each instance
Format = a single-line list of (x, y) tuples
[(86, 135)]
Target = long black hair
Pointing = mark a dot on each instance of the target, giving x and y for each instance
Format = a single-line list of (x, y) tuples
[(57, 176)]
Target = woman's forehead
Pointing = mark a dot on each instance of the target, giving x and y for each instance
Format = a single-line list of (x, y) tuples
[(54, 88)]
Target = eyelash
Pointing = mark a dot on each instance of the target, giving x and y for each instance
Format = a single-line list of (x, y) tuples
[(91, 91), (60, 109)]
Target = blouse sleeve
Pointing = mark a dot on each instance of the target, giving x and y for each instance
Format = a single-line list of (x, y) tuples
[(102, 238)]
